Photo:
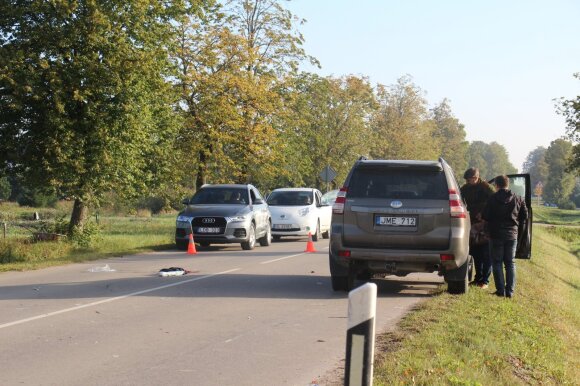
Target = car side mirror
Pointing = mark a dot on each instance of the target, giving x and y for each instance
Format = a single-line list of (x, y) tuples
[(258, 201), (185, 201)]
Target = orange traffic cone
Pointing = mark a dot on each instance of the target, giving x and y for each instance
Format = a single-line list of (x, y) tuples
[(310, 244), (191, 247)]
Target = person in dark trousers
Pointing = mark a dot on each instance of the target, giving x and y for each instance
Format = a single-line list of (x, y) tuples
[(476, 192), (504, 213)]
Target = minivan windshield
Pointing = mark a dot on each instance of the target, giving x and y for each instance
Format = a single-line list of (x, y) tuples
[(383, 182), (290, 198), (220, 196)]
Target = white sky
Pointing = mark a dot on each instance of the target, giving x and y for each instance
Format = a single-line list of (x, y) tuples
[(500, 63)]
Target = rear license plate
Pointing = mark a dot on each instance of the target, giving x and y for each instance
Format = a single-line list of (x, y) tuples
[(396, 221), (282, 226), (209, 230)]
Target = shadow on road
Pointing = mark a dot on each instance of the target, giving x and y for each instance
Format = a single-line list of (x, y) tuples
[(197, 285)]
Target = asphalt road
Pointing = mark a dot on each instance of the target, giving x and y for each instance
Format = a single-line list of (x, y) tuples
[(261, 317)]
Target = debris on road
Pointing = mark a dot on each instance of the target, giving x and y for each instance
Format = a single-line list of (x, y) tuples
[(173, 271), (105, 268)]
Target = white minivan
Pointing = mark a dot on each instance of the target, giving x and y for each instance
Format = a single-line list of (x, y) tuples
[(298, 212)]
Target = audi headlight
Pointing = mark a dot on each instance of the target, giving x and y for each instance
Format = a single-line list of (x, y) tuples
[(237, 219), (304, 211)]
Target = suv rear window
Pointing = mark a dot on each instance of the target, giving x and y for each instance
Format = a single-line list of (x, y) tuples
[(382, 182)]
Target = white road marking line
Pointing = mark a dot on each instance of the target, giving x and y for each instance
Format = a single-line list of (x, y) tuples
[(113, 299), (285, 257)]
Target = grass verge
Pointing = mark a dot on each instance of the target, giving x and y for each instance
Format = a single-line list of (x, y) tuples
[(479, 339), (118, 236), (556, 216)]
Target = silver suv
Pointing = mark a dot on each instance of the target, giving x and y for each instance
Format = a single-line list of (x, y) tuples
[(398, 217), (223, 214)]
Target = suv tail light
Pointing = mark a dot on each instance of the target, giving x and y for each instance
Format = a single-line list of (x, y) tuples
[(456, 208), (338, 206), (447, 257)]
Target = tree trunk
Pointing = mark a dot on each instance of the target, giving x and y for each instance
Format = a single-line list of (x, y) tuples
[(201, 171), (78, 217)]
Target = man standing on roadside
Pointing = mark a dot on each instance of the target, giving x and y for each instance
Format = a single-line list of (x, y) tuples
[(476, 192), (504, 213)]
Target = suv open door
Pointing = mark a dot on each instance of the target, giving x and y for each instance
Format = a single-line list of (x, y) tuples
[(520, 184)]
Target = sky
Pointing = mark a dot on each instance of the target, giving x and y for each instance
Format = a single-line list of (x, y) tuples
[(501, 64)]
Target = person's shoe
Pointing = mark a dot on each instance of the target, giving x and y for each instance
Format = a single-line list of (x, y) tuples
[(482, 285), (500, 294), (508, 295)]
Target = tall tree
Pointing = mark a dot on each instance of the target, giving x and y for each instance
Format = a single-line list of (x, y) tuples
[(476, 157), (331, 115), (451, 137), (85, 106), (498, 160), (560, 183), (570, 108), (401, 124), (233, 69), (491, 159), (208, 57), (536, 166)]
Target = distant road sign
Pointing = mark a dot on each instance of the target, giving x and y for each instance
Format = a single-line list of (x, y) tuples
[(328, 174)]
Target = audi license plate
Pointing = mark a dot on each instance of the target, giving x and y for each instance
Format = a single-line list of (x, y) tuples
[(396, 221), (209, 230)]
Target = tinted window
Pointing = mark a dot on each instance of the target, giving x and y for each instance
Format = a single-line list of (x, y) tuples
[(398, 183), (220, 196), (285, 198)]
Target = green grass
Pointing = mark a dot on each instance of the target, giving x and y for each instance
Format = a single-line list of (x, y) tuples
[(556, 216), (118, 236), (479, 339)]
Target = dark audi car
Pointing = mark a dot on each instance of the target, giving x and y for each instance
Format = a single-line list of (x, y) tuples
[(224, 214)]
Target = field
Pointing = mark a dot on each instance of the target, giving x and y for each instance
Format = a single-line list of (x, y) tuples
[(556, 216), (116, 236)]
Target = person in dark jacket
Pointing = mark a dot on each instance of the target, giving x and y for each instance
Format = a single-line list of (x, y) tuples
[(504, 213), (476, 192)]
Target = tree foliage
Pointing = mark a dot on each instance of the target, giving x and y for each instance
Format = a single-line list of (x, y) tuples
[(233, 65), (535, 164), (328, 122), (491, 159), (450, 135), (401, 124), (5, 189), (560, 183), (570, 109), (85, 105)]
